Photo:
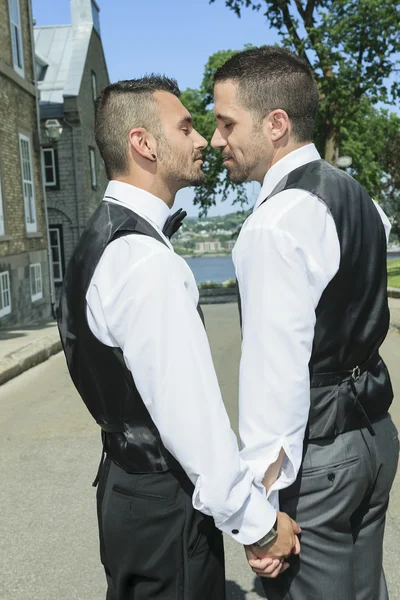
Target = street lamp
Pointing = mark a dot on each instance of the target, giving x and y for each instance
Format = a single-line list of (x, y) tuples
[(342, 161), (53, 130)]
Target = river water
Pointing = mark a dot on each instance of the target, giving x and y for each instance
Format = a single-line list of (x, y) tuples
[(212, 268), (220, 268)]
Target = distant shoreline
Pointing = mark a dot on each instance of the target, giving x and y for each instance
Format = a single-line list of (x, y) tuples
[(205, 255)]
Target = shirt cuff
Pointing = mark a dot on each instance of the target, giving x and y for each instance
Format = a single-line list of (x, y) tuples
[(253, 521)]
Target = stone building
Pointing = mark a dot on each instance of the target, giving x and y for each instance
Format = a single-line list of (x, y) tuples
[(25, 294), (71, 71), (212, 246)]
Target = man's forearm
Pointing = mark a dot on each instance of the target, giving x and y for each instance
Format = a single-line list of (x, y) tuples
[(273, 471)]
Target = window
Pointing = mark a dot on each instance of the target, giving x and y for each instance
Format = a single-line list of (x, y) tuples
[(93, 175), (94, 86), (50, 162), (2, 228), (5, 294), (36, 281), (56, 252), (16, 37), (27, 183), (41, 69)]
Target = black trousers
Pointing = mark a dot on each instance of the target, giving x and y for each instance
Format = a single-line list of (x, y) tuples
[(153, 543)]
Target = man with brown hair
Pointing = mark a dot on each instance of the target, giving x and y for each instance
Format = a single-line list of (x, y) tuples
[(314, 392), (138, 354)]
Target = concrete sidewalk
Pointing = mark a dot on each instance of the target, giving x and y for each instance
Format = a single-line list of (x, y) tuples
[(22, 349)]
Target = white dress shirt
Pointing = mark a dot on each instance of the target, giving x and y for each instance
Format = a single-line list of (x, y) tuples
[(286, 254), (143, 299)]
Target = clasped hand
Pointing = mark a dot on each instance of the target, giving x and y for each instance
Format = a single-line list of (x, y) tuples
[(270, 561)]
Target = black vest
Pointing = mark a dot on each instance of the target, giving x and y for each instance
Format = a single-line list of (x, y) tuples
[(350, 384), (99, 373)]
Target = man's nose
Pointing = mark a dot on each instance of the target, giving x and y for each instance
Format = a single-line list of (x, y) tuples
[(200, 143), (217, 141)]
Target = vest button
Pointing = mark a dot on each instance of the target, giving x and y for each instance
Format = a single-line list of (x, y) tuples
[(235, 531), (331, 477)]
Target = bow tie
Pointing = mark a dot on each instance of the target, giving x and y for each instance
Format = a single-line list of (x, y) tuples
[(173, 223)]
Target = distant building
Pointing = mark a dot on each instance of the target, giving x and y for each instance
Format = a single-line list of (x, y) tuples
[(24, 267), (230, 244), (208, 246), (71, 71)]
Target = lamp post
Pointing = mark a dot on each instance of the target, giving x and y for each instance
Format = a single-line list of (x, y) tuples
[(342, 161), (53, 130)]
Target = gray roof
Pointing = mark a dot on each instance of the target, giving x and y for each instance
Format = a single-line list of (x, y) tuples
[(64, 51)]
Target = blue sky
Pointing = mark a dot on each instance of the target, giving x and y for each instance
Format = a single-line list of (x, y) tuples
[(175, 37)]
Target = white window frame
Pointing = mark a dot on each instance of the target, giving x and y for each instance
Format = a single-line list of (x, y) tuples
[(5, 294), (35, 276), (53, 160), (93, 174), (93, 77), (2, 227), (28, 184), (16, 36), (59, 262)]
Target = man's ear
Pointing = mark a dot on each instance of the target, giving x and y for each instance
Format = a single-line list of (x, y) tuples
[(278, 124), (143, 143)]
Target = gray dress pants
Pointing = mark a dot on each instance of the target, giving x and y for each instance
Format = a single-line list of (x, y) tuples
[(340, 500)]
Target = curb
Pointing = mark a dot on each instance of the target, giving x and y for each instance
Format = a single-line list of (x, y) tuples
[(217, 295), (22, 360), (393, 292)]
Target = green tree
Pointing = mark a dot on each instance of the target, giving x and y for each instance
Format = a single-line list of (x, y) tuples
[(373, 141), (391, 188), (198, 102), (371, 137), (350, 45)]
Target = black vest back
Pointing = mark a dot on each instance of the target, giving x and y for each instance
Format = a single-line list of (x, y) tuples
[(350, 384), (99, 373)]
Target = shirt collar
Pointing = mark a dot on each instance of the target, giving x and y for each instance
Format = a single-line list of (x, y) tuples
[(145, 204), (283, 167)]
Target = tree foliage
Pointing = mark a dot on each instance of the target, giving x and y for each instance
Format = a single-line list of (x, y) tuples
[(351, 47), (198, 102), (373, 141), (371, 137)]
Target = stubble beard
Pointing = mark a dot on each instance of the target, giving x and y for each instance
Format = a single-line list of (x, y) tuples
[(174, 165), (240, 173)]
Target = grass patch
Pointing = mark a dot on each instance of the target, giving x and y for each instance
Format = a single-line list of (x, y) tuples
[(393, 268)]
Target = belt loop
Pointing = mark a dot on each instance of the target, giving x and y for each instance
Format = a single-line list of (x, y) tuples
[(354, 390)]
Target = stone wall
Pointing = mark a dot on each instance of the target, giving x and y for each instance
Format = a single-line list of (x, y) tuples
[(19, 249), (71, 204)]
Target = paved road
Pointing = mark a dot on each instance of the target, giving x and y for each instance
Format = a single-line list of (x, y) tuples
[(49, 450)]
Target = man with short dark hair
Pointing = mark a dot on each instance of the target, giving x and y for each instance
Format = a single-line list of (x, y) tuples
[(314, 392), (138, 354)]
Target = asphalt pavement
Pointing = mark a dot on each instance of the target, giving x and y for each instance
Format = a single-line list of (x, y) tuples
[(49, 452)]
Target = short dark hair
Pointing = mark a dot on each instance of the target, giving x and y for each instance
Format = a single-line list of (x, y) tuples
[(122, 106), (269, 78)]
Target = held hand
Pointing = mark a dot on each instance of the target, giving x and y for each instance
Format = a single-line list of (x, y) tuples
[(267, 566), (285, 544)]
